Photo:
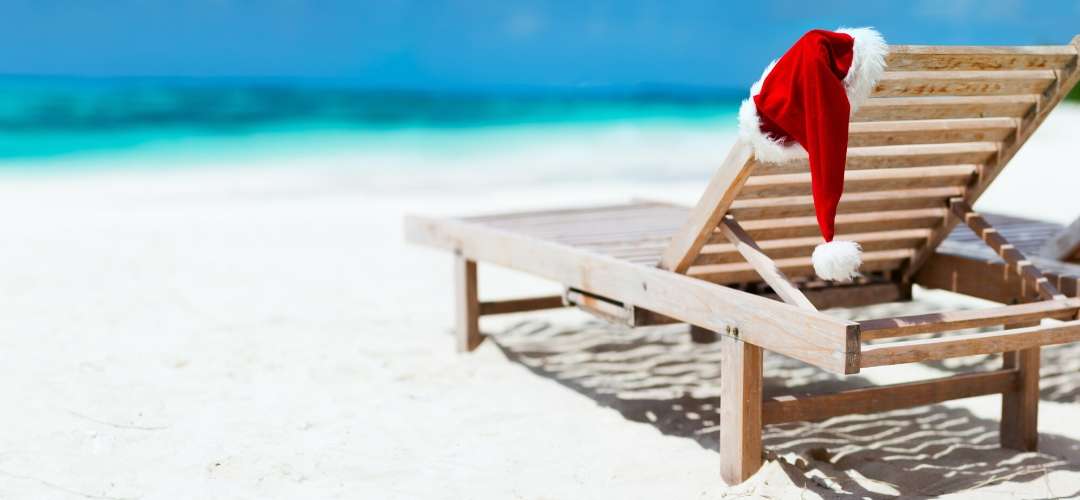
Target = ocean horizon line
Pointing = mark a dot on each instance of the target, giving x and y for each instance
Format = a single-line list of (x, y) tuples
[(585, 89)]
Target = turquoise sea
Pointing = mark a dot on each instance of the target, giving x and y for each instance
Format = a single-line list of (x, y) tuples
[(60, 123)]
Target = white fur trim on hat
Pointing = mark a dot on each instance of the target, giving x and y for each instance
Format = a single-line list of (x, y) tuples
[(766, 149), (837, 260), (867, 65)]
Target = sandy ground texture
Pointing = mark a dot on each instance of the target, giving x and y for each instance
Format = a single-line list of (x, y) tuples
[(267, 334)]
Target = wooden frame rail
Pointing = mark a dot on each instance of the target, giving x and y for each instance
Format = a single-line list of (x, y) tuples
[(976, 318), (795, 408), (968, 344), (508, 306)]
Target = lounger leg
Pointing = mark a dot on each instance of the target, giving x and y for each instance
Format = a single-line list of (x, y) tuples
[(1020, 409), (740, 409), (466, 306)]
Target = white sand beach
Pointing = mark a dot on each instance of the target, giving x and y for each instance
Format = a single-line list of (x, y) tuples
[(264, 332)]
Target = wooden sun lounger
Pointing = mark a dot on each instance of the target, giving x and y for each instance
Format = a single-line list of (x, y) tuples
[(1064, 245), (939, 128)]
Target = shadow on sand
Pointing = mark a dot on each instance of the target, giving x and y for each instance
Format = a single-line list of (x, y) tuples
[(657, 376)]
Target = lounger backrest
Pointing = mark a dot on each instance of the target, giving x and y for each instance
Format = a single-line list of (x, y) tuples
[(942, 123)]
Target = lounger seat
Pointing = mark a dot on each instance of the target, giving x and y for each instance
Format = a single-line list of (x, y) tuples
[(939, 128)]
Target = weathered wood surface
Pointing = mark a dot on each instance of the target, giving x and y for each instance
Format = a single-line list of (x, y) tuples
[(740, 409), (466, 305), (931, 108), (1065, 79), (984, 278), (939, 121), (963, 264), (963, 83), (958, 57), (1003, 248), (1063, 245), (858, 181), (508, 306), (862, 222), (851, 202), (746, 273), (1020, 408), (601, 307), (913, 351), (639, 233), (894, 156), (856, 295), (765, 267), (973, 318), (809, 336), (900, 169), (930, 131), (719, 193), (804, 246), (795, 408)]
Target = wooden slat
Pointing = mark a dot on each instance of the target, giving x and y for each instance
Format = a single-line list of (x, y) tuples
[(526, 217), (813, 337), (601, 216), (802, 206), (509, 306), (865, 222), (1062, 246), (976, 318), (855, 181), (797, 266), (769, 271), (780, 409), (1003, 248), (959, 83), (888, 133), (722, 189), (968, 344), (629, 231), (877, 157), (723, 253), (926, 108), (967, 58)]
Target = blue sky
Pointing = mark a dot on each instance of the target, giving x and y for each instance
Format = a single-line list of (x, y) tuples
[(480, 44)]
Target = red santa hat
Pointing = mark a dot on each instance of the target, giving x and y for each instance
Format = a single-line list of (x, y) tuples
[(801, 107)]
